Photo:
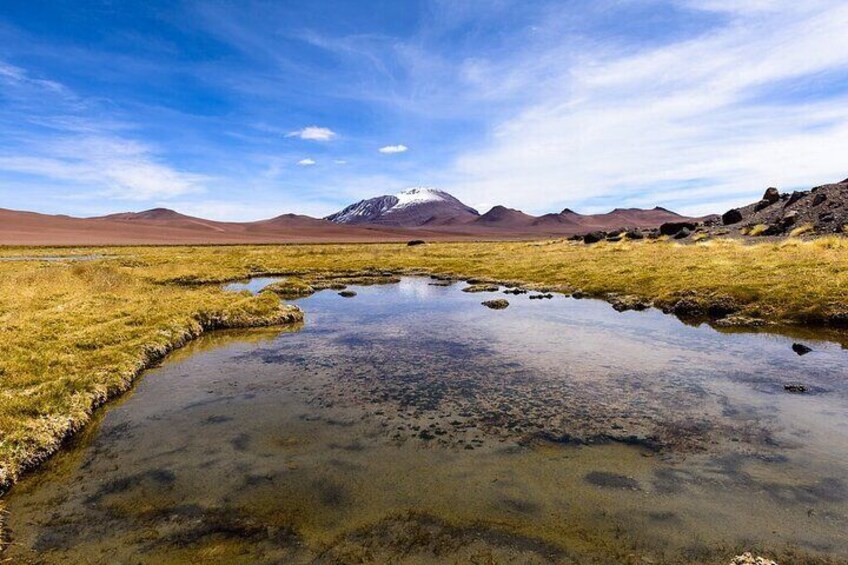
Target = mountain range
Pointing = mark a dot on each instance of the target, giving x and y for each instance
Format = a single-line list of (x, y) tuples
[(415, 213)]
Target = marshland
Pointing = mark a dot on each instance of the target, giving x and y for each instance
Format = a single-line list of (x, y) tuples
[(638, 415)]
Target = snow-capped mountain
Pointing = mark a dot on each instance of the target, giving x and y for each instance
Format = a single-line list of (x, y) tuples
[(413, 207)]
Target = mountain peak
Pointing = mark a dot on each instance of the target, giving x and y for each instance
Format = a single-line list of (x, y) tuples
[(411, 207)]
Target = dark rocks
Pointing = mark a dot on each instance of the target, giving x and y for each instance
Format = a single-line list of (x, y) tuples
[(594, 237), (796, 196), (790, 218), (733, 216), (415, 242), (515, 291), (801, 349), (496, 304), (761, 205), (628, 302), (672, 228), (682, 234), (633, 234), (771, 195), (795, 388), (819, 198), (541, 296), (347, 294)]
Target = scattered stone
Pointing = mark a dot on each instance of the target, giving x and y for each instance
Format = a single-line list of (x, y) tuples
[(748, 558), (633, 234), (761, 205), (347, 294), (795, 388), (819, 198), (594, 237), (672, 228), (481, 287), (415, 242), (801, 349), (682, 234), (515, 291), (496, 304), (541, 296), (733, 216)]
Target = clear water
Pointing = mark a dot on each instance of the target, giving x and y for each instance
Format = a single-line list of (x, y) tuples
[(410, 424)]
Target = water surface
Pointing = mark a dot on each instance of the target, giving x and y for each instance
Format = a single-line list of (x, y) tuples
[(411, 424)]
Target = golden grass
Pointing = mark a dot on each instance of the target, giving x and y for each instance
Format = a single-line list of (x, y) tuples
[(759, 229), (74, 334), (801, 230)]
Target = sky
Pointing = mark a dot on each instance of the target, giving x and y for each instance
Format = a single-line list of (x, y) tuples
[(246, 110)]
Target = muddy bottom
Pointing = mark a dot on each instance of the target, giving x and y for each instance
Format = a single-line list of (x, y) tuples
[(411, 424)]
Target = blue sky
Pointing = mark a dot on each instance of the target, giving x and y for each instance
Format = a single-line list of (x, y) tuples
[(245, 110)]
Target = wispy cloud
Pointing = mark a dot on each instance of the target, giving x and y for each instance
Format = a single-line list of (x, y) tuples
[(313, 133), (658, 121), (389, 149), (306, 162), (57, 142)]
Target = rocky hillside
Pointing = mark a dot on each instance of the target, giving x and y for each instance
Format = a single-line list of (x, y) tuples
[(821, 210)]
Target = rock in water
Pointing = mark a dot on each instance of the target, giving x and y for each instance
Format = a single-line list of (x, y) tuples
[(795, 388), (801, 349), (347, 294), (496, 304)]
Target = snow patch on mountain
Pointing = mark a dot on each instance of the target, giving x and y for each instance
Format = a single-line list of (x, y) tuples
[(420, 195)]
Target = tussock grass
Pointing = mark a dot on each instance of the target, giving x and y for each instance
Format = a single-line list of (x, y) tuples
[(73, 334)]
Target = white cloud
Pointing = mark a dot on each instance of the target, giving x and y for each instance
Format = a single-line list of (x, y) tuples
[(389, 149), (113, 166), (306, 162), (340, 162), (314, 133), (659, 122)]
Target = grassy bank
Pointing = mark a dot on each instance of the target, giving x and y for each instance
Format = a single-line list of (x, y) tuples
[(74, 334)]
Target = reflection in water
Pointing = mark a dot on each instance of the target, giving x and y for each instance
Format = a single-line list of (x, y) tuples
[(411, 424), (254, 285)]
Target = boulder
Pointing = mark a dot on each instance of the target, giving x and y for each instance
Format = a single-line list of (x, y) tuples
[(671, 228), (796, 388), (732, 216), (771, 195), (496, 304), (682, 234), (796, 196), (415, 242), (790, 218), (819, 198), (762, 204), (347, 294), (594, 237), (633, 234)]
